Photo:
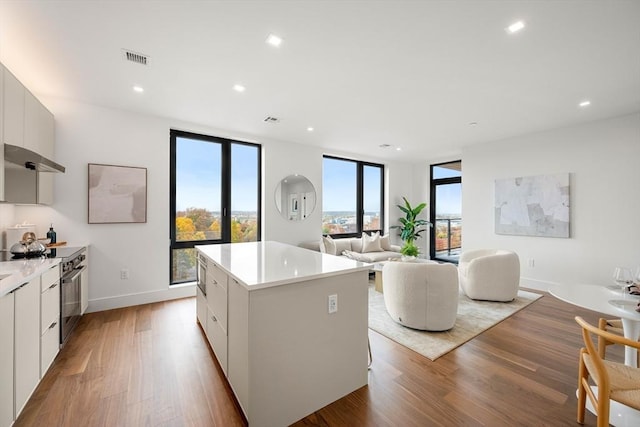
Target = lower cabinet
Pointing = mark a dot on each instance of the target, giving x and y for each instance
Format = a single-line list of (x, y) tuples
[(27, 342), (6, 360), (201, 308), (49, 318), (217, 282)]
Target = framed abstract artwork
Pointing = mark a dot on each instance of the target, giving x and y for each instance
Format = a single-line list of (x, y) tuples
[(117, 194), (533, 205)]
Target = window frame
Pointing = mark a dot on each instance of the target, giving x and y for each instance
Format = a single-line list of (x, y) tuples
[(432, 204), (360, 165), (225, 192)]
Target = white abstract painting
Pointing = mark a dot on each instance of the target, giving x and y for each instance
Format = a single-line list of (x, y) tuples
[(117, 194), (533, 206)]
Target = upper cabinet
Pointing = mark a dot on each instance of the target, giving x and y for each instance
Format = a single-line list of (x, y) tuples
[(1, 132), (13, 110), (24, 122), (39, 130)]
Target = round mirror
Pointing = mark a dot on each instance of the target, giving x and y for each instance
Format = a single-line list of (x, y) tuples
[(295, 197)]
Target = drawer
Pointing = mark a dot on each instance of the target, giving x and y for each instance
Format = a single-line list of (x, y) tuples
[(217, 302), (49, 307), (49, 346), (50, 277), (216, 277), (218, 340), (201, 309)]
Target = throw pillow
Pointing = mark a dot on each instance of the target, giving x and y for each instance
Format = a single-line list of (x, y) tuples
[(342, 245), (385, 243), (329, 245), (371, 243)]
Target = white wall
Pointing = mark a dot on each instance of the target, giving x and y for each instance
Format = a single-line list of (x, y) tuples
[(603, 161), (92, 134)]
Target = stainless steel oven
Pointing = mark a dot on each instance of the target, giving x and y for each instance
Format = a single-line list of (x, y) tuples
[(72, 267), (202, 273)]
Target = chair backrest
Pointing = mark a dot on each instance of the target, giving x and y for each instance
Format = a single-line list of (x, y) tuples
[(592, 350)]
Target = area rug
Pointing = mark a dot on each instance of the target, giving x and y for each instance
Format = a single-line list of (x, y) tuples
[(474, 317)]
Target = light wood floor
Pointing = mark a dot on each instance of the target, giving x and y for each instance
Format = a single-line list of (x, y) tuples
[(149, 366)]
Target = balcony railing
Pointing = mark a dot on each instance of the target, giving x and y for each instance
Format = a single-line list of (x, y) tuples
[(448, 237)]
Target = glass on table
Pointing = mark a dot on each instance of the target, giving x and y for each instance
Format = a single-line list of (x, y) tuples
[(623, 277)]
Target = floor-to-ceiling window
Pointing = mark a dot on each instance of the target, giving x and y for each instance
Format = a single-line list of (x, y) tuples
[(214, 196), (352, 197), (446, 211)]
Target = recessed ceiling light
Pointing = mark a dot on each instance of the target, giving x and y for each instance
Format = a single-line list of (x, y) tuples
[(274, 40), (239, 88), (473, 123), (138, 89), (398, 149), (515, 27), (309, 129), (585, 103)]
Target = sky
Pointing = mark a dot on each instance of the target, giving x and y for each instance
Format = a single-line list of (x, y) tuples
[(198, 181), (198, 177)]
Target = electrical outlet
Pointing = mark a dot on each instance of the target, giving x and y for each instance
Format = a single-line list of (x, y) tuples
[(532, 262), (333, 303), (124, 274)]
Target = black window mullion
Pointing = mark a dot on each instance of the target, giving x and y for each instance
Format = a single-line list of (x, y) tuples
[(360, 197), (226, 192)]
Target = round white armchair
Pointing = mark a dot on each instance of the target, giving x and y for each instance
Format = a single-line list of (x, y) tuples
[(489, 274), (421, 295)]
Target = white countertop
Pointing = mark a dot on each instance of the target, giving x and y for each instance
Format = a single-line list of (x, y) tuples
[(22, 271), (258, 265)]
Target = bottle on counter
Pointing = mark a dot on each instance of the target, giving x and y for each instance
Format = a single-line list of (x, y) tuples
[(51, 235)]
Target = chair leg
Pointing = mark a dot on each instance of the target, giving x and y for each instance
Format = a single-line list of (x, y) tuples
[(582, 393)]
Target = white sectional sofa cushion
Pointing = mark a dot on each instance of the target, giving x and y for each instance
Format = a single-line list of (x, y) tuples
[(352, 248)]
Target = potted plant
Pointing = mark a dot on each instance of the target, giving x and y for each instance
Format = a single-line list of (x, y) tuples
[(410, 228)]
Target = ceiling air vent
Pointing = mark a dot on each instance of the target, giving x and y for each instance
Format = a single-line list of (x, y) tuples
[(271, 119), (138, 58)]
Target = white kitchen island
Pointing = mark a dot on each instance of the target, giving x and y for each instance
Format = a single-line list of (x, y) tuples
[(266, 316)]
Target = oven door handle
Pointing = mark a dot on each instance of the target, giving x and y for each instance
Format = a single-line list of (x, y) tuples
[(76, 273)]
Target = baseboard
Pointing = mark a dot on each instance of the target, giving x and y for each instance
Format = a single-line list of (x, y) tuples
[(538, 285), (174, 292)]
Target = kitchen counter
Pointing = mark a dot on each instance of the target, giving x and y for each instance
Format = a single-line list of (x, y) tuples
[(15, 273), (288, 326), (259, 265)]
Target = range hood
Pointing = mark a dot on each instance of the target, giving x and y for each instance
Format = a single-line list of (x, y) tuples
[(28, 159)]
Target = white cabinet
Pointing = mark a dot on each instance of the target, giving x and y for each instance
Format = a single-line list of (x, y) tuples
[(13, 110), (49, 317), (1, 132), (25, 122), (216, 327), (6, 360), (201, 308), (27, 342), (38, 126)]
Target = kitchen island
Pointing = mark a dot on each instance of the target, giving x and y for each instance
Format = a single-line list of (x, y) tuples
[(265, 309)]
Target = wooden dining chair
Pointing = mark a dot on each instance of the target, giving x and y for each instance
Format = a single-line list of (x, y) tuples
[(615, 381)]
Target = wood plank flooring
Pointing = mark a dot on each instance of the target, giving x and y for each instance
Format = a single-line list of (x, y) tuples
[(150, 365)]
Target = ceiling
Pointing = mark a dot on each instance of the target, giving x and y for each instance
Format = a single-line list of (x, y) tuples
[(411, 74)]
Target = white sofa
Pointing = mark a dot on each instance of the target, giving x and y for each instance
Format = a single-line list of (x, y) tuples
[(489, 274), (352, 248), (421, 295)]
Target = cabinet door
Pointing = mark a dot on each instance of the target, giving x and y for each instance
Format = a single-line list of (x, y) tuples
[(13, 110), (27, 342), (1, 133), (31, 122), (201, 309), (6, 360)]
